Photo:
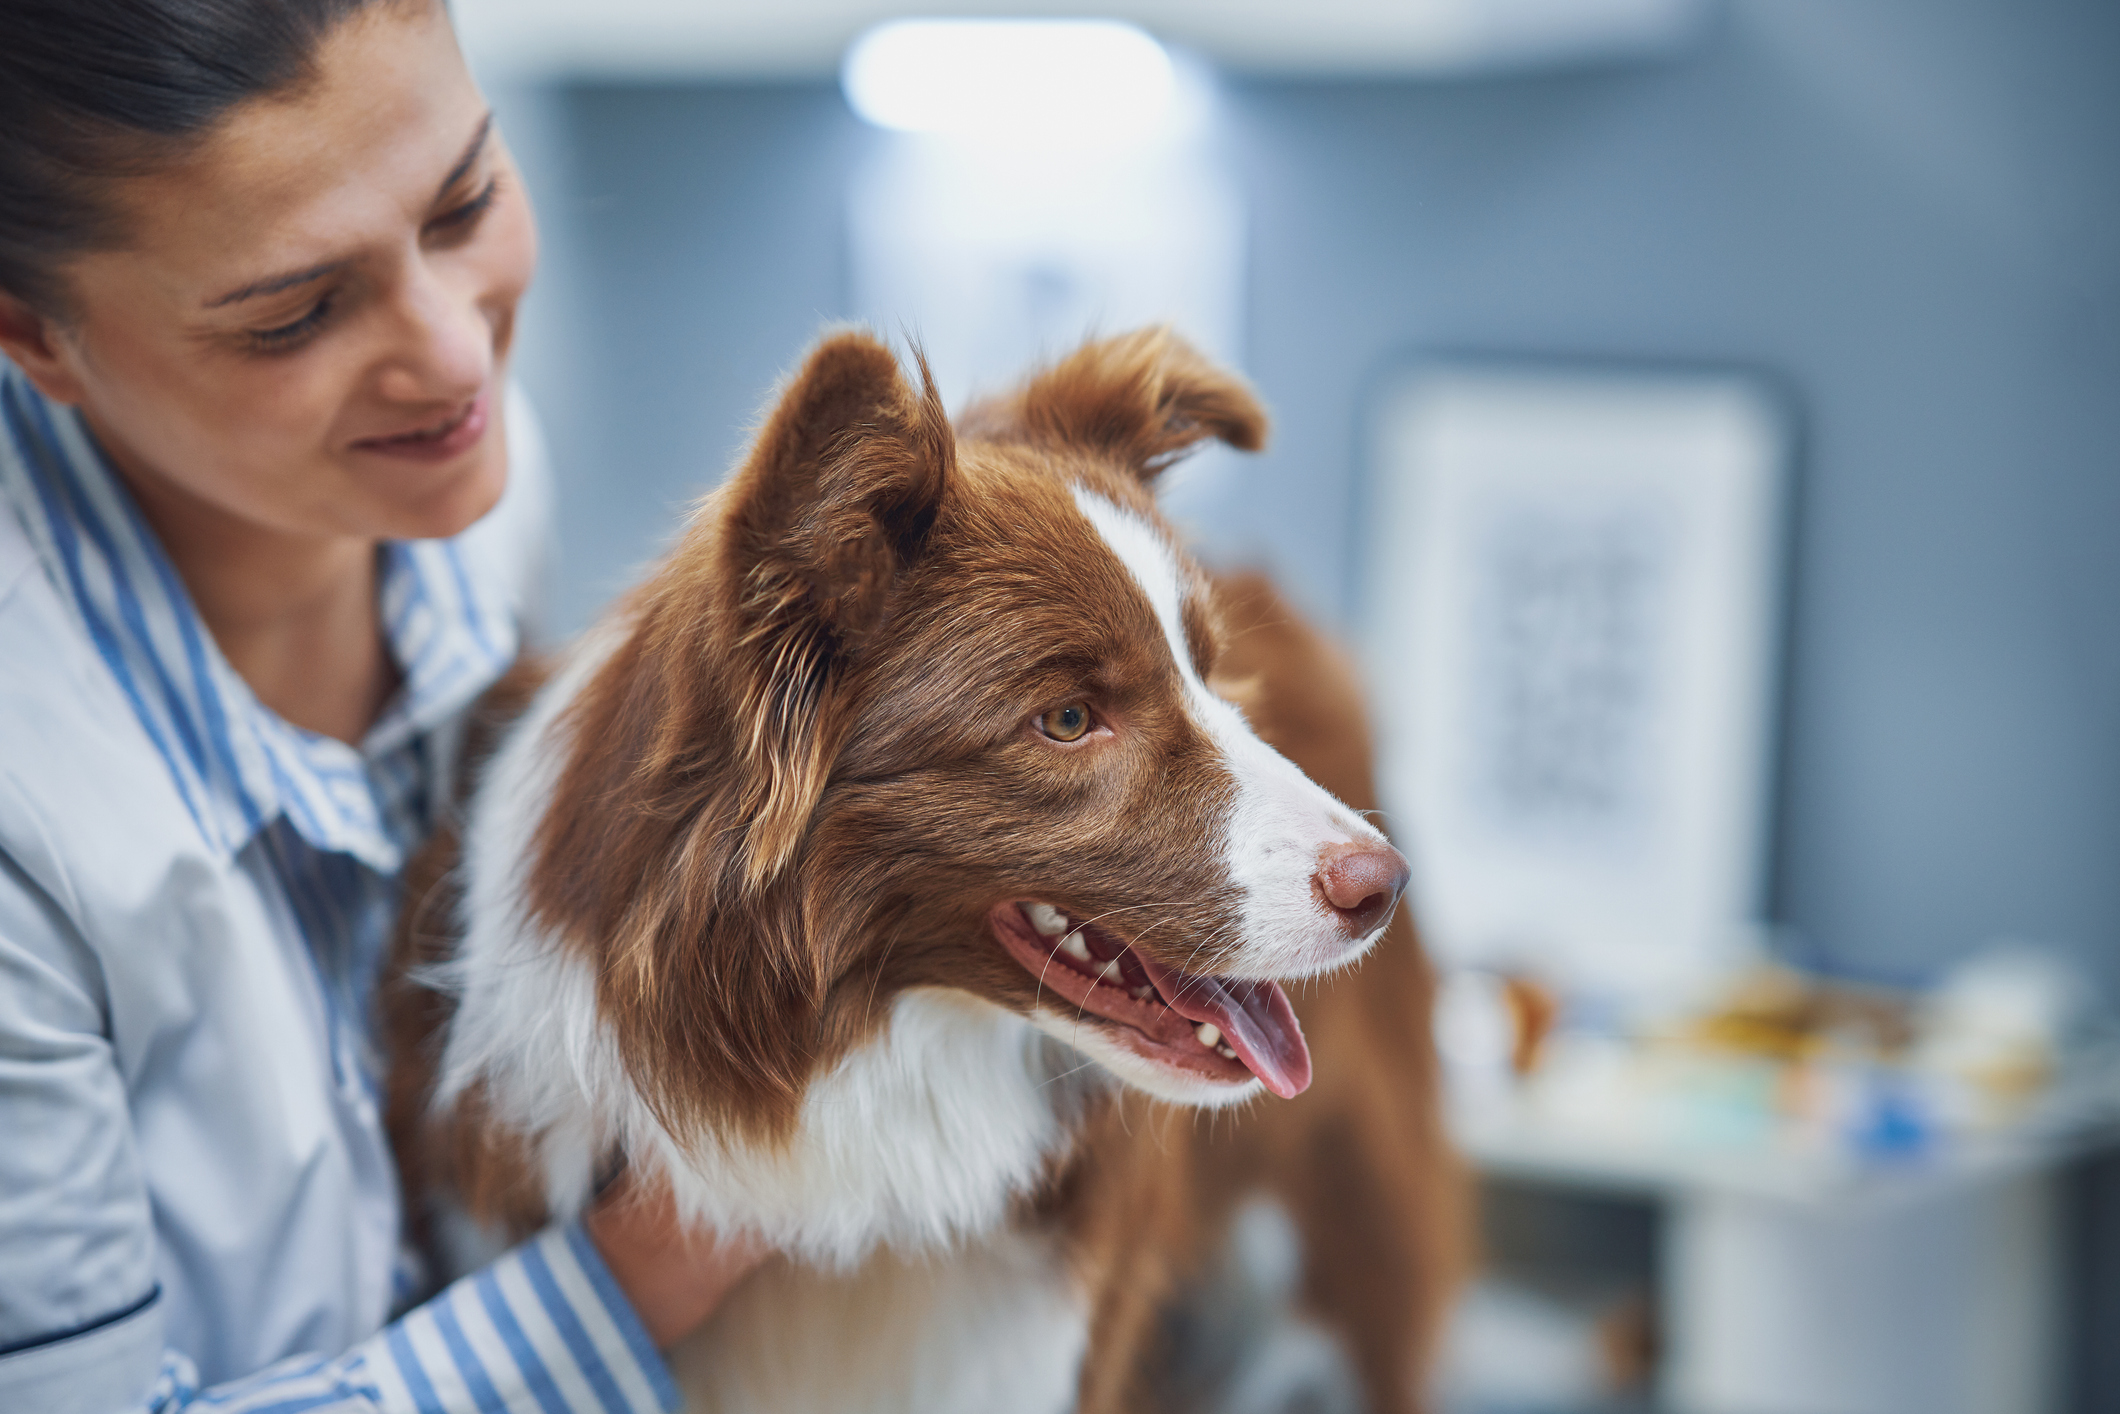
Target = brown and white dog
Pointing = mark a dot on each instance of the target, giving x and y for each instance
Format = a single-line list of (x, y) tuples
[(852, 873)]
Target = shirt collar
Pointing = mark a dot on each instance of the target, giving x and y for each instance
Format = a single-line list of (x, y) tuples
[(237, 764)]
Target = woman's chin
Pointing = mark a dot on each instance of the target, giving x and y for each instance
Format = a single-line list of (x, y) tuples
[(452, 498)]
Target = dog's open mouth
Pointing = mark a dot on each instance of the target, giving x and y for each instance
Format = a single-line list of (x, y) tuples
[(1217, 1028)]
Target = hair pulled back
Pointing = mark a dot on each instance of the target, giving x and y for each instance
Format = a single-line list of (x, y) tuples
[(95, 90)]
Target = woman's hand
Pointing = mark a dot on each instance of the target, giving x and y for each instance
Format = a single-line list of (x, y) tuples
[(674, 1275)]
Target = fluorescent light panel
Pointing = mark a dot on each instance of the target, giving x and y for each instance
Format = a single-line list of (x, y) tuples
[(1003, 80)]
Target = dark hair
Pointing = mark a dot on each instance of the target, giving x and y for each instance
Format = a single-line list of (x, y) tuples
[(94, 90)]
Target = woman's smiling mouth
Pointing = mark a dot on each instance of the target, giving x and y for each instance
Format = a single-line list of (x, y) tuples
[(450, 437)]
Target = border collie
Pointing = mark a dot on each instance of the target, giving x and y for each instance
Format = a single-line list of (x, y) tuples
[(856, 868)]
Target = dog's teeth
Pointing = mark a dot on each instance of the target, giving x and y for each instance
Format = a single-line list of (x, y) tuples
[(1074, 947), (1046, 919), (1226, 1052), (1142, 994), (1210, 1034)]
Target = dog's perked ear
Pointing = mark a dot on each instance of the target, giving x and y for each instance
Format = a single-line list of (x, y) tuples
[(833, 505), (703, 742), (1144, 399), (839, 490)]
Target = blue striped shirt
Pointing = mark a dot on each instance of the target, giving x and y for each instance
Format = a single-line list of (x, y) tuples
[(197, 1204)]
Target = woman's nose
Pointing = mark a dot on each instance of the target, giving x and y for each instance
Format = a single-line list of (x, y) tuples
[(444, 343)]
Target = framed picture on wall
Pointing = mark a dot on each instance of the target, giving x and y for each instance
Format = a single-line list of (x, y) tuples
[(1571, 608)]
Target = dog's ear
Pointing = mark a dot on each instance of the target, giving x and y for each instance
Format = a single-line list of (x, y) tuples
[(832, 506), (697, 753), (1144, 399), (840, 489)]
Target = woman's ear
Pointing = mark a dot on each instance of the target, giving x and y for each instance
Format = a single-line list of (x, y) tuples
[(35, 344), (1145, 398)]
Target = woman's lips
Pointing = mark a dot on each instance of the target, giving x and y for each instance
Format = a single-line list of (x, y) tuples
[(437, 442)]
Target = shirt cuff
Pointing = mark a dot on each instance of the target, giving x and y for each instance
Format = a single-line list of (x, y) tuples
[(544, 1327)]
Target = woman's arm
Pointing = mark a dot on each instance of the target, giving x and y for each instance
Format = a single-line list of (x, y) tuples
[(546, 1326), (551, 1325)]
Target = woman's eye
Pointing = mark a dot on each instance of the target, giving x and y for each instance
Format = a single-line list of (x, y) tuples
[(467, 215), (286, 336), (1068, 723)]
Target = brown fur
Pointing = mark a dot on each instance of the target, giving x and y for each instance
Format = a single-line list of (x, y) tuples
[(1124, 1202), (802, 779), (1143, 400)]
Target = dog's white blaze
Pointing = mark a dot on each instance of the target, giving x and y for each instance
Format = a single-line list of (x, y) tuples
[(1281, 820), (919, 1138)]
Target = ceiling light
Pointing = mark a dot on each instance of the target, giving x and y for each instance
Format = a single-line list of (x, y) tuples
[(1042, 81)]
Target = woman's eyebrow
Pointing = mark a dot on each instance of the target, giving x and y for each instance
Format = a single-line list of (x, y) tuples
[(273, 284)]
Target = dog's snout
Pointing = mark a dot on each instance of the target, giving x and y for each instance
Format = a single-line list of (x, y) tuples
[(1361, 883)]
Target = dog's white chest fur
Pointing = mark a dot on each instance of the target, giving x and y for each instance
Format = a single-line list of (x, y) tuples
[(920, 1139), (992, 1324)]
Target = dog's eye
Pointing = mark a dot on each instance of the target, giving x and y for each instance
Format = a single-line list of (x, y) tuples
[(1067, 723)]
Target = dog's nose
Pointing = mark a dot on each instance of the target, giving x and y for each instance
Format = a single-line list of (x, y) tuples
[(1361, 883)]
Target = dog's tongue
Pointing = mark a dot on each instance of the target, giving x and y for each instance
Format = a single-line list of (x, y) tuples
[(1254, 1017)]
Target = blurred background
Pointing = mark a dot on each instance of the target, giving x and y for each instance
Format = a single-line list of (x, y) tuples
[(1729, 390)]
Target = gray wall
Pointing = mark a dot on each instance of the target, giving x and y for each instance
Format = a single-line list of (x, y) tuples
[(1906, 212), (692, 249)]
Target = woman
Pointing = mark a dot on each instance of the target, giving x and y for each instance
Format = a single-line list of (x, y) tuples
[(259, 267)]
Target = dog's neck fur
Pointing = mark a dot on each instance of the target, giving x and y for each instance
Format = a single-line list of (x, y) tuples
[(920, 1136)]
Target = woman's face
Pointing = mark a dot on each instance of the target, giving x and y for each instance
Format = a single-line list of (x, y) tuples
[(308, 329)]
